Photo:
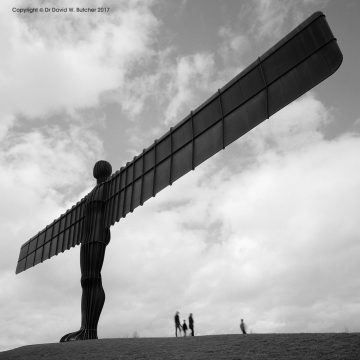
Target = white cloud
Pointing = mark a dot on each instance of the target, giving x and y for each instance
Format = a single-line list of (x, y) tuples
[(271, 19), (45, 69), (165, 94), (234, 45), (280, 228), (265, 231), (5, 124), (294, 127), (192, 74), (67, 72), (271, 16), (40, 173)]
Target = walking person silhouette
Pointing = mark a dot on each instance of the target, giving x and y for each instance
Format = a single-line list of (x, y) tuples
[(177, 323), (184, 326), (243, 326), (191, 324)]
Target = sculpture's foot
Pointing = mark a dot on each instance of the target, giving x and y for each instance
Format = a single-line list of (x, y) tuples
[(82, 334)]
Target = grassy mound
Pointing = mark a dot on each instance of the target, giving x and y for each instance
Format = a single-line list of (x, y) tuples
[(234, 347)]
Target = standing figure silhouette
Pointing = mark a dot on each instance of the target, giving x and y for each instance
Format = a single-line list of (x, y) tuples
[(243, 326), (92, 253), (191, 324), (184, 326), (177, 323)]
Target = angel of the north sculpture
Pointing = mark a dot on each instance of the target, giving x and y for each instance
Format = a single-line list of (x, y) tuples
[(298, 62)]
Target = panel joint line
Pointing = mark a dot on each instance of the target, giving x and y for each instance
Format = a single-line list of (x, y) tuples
[(120, 212), (43, 245), (113, 212), (171, 155), (142, 179), (192, 141), (132, 186), (222, 119), (155, 165), (115, 184), (125, 190), (266, 86)]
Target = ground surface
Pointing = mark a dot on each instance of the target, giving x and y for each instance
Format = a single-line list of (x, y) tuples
[(230, 347)]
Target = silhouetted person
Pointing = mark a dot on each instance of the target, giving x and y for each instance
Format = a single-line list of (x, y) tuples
[(243, 326), (177, 323), (92, 253), (191, 324), (184, 326)]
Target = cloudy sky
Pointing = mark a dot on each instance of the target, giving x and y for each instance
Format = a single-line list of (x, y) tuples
[(266, 230)]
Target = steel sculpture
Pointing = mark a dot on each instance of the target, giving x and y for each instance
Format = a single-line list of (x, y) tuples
[(301, 60)]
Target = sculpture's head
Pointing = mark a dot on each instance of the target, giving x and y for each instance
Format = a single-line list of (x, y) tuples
[(102, 170)]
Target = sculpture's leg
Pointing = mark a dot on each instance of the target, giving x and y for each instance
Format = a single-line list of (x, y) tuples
[(93, 295)]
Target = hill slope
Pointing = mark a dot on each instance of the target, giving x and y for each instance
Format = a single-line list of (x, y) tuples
[(235, 347)]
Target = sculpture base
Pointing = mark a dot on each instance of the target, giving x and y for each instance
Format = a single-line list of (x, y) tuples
[(82, 334)]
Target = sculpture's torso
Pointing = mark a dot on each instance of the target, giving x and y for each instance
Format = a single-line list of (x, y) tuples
[(95, 230)]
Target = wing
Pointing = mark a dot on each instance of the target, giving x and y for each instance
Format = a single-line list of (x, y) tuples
[(298, 62), (62, 234)]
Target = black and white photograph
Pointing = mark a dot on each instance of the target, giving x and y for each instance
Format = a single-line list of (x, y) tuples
[(180, 179)]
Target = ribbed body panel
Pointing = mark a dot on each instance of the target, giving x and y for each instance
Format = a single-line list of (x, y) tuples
[(297, 63), (64, 233)]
